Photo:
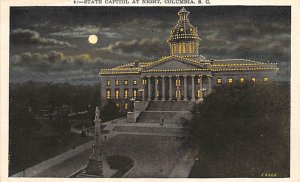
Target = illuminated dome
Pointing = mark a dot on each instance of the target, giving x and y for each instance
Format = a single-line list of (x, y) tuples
[(184, 39)]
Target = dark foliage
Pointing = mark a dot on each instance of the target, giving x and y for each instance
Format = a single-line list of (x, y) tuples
[(109, 111), (243, 130), (42, 94), (32, 140)]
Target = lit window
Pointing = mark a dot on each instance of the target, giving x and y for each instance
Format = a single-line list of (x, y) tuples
[(180, 48), (108, 82), (242, 80), (199, 93), (253, 79), (190, 48), (199, 80), (230, 80), (177, 93), (266, 79), (126, 93), (117, 105), (117, 93), (126, 106), (134, 93), (157, 81), (117, 82), (174, 49), (183, 48), (134, 82), (144, 82), (177, 82), (107, 94), (219, 80), (157, 93), (181, 29)]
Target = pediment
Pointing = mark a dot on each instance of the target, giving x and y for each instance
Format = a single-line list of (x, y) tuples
[(172, 64)]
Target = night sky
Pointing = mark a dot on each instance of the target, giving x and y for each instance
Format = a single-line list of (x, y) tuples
[(50, 43)]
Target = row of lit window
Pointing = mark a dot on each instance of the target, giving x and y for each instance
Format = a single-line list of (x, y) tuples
[(117, 82), (184, 48), (117, 93), (125, 106), (178, 82), (230, 80)]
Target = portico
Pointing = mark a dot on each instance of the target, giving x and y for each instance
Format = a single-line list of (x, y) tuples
[(180, 87)]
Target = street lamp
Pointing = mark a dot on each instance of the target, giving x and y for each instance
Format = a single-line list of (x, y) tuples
[(141, 95), (132, 102)]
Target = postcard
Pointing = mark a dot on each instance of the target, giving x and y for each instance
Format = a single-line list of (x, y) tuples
[(115, 90)]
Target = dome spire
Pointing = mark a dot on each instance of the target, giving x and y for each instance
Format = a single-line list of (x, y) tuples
[(183, 14)]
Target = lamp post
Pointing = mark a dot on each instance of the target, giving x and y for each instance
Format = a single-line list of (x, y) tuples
[(132, 103)]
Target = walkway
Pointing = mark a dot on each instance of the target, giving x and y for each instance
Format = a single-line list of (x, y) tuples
[(68, 167), (184, 166), (154, 156)]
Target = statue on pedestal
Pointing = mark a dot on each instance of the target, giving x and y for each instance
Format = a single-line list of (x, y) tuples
[(97, 113)]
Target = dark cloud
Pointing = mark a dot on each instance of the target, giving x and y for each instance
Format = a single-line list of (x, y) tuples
[(130, 33), (143, 48), (30, 37), (55, 61), (54, 66)]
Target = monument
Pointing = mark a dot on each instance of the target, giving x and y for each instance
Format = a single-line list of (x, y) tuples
[(95, 165)]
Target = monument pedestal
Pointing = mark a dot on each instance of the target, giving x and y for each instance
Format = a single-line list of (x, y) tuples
[(95, 167)]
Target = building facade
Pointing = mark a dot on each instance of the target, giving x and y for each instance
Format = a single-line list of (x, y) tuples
[(183, 75)]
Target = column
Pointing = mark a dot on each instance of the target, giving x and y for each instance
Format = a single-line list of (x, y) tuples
[(185, 88), (209, 84), (170, 88), (177, 87), (201, 87), (149, 88), (193, 88), (163, 88), (155, 94), (142, 88)]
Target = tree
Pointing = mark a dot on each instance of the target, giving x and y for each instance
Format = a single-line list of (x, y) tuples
[(109, 111), (249, 121)]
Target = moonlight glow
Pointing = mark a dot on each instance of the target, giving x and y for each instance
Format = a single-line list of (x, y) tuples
[(93, 39)]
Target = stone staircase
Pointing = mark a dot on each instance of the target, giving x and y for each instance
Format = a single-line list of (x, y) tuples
[(171, 112), (170, 117), (170, 106), (149, 120), (149, 129)]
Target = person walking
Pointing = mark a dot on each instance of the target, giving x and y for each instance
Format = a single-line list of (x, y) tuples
[(162, 122)]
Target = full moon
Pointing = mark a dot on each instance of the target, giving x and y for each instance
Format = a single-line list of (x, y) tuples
[(93, 39)]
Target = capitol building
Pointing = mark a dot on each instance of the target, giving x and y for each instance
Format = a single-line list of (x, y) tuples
[(183, 75)]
